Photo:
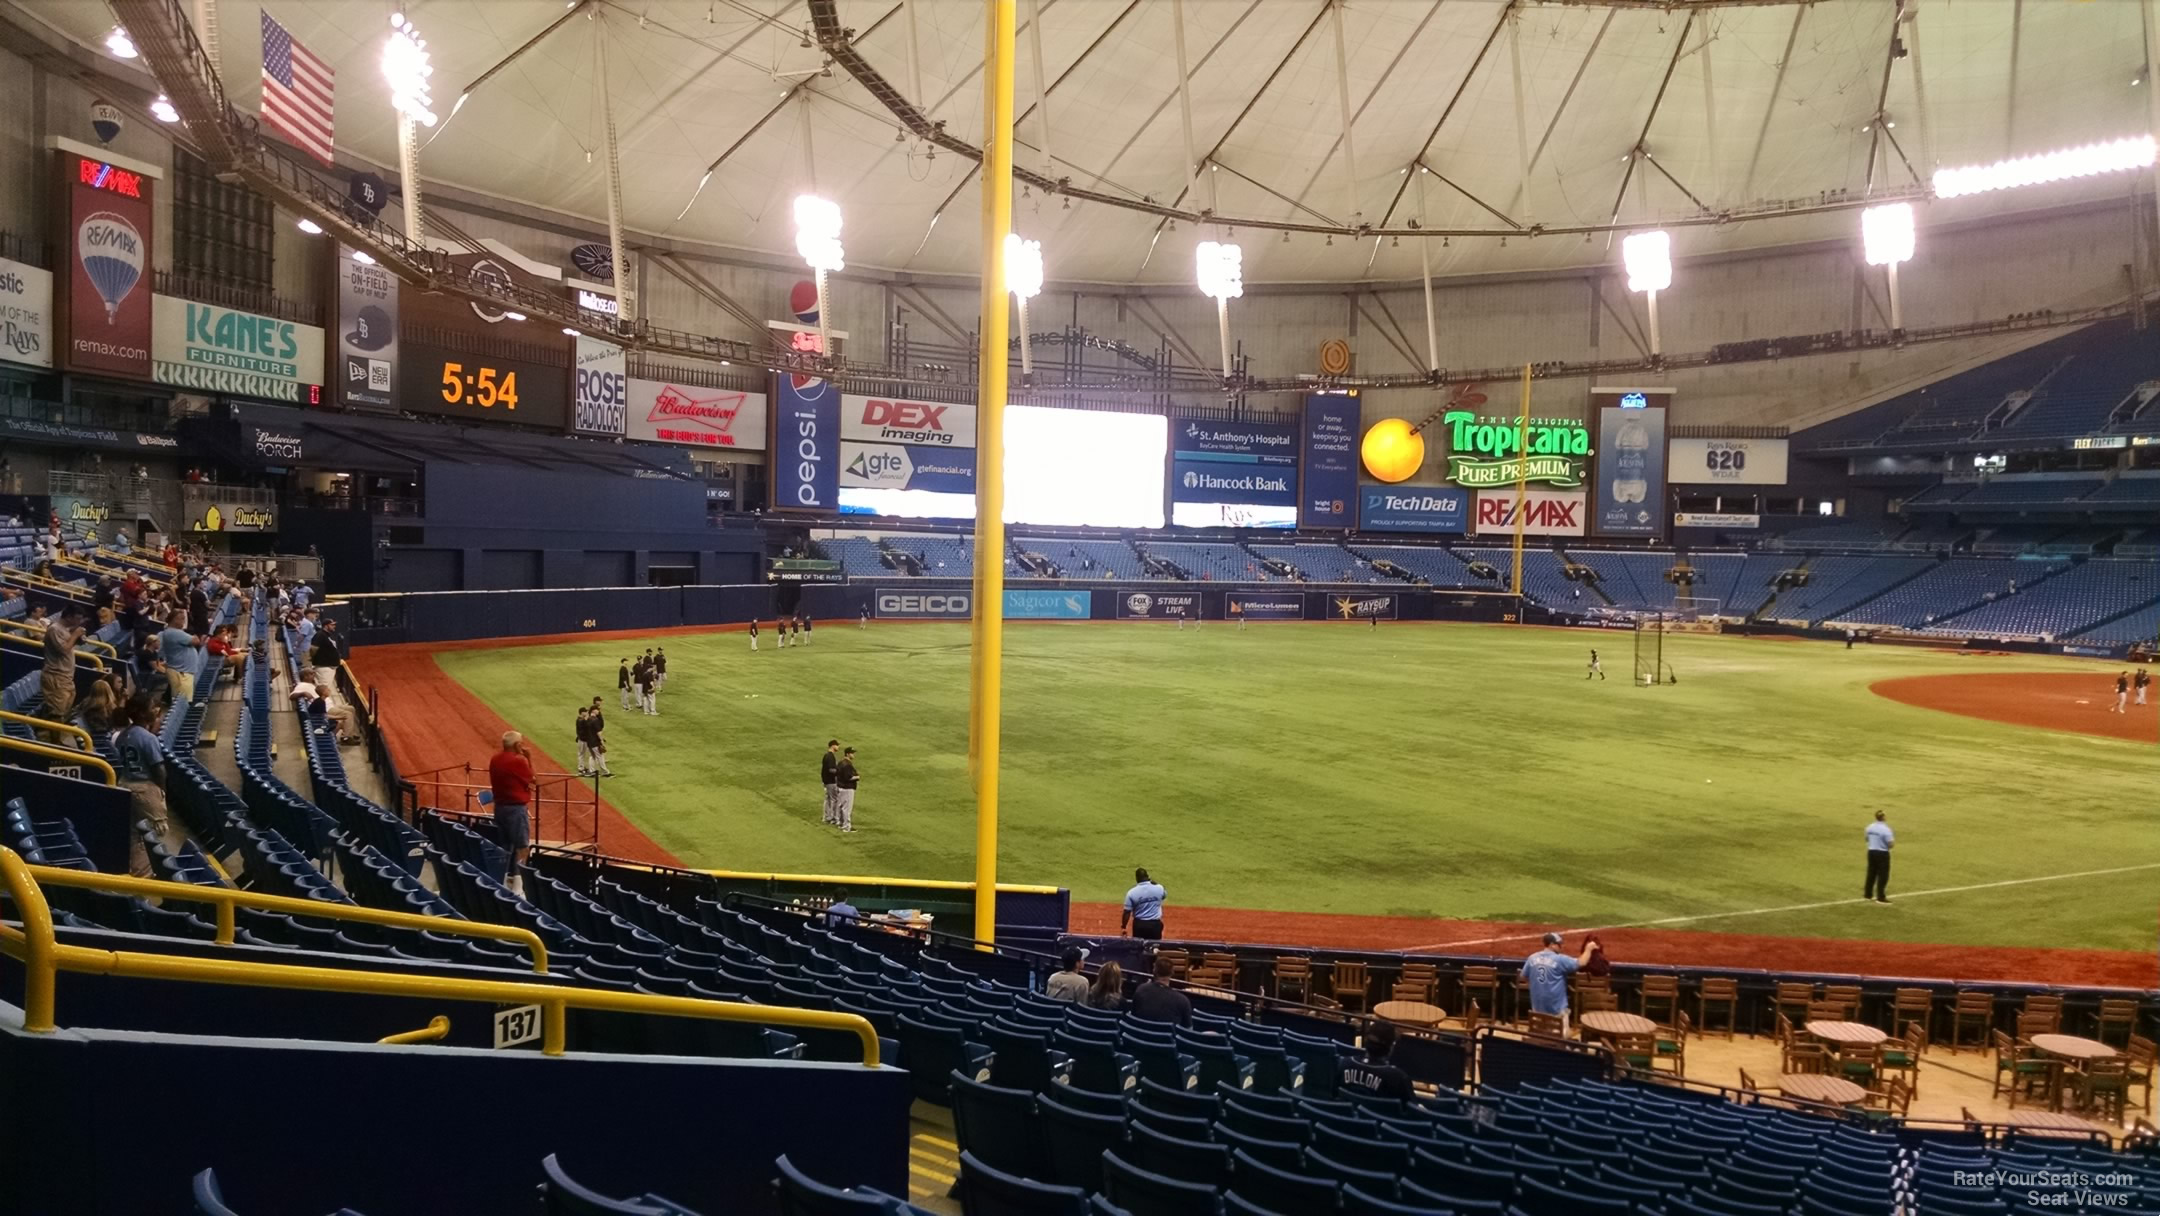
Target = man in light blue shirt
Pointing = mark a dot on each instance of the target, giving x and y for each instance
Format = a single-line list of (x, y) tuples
[(1546, 972), (303, 595), (183, 655), (306, 628), (1879, 841), (1143, 907)]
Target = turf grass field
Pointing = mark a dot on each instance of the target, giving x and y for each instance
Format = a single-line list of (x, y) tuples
[(1457, 771)]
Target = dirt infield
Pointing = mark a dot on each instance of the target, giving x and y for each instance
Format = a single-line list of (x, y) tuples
[(2052, 700), (430, 721), (1664, 947)]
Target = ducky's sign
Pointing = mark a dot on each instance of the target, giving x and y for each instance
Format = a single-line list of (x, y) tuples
[(227, 517)]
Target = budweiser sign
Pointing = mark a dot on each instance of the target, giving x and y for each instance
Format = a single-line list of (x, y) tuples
[(665, 412)]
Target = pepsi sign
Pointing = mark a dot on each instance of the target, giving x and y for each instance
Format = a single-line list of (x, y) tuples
[(805, 453)]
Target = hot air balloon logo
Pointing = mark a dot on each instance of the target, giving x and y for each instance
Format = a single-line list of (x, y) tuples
[(111, 252)]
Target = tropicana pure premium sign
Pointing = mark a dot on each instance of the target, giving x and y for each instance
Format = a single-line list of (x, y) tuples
[(1484, 452)]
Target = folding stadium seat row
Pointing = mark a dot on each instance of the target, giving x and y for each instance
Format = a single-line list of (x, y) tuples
[(187, 864), (44, 842), (464, 846)]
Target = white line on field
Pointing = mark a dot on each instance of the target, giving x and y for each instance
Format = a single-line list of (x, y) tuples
[(1828, 903)]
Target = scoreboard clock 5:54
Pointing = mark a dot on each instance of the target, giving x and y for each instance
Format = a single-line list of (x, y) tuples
[(484, 388)]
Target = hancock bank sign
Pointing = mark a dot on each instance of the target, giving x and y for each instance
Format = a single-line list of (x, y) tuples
[(1486, 452)]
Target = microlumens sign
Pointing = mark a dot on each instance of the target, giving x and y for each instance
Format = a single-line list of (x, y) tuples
[(1499, 451)]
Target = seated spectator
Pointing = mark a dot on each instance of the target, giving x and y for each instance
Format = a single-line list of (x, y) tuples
[(151, 678), (316, 697), (841, 912), (1374, 1074), (223, 643), (1068, 984), (1157, 1001), (1109, 990), (99, 709)]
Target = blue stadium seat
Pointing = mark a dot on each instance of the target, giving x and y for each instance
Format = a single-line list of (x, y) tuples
[(1175, 1157), (998, 1125), (561, 1195), (1074, 1142), (802, 1195), (1257, 1180), (986, 1191), (1143, 1193)]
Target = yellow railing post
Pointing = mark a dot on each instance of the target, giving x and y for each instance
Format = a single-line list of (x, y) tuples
[(90, 760), (437, 1029), (36, 936), (554, 1028)]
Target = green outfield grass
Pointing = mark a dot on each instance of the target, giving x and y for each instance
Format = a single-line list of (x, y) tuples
[(1427, 770)]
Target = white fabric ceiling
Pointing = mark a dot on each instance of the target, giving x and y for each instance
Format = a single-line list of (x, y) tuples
[(690, 78)]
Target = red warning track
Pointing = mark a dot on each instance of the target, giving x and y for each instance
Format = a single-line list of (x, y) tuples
[(2052, 700), (431, 721)]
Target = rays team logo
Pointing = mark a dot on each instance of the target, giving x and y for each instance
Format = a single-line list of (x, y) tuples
[(489, 274)]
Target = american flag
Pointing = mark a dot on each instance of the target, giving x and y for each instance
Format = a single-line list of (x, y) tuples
[(298, 91)]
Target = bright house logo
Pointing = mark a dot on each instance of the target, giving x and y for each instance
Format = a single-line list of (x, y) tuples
[(1484, 452)]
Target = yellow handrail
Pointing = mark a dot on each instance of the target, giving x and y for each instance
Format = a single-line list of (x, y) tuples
[(65, 728), (51, 586), (90, 759), (229, 898), (35, 634), (438, 1028), (44, 957)]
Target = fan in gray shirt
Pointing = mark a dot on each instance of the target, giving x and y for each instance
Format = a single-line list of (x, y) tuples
[(1068, 984)]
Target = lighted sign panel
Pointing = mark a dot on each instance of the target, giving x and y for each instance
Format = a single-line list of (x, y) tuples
[(105, 231)]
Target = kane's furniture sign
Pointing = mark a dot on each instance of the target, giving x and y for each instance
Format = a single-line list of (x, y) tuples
[(664, 411), (1731, 462), (243, 354), (1259, 606), (104, 214), (26, 305), (1496, 451)]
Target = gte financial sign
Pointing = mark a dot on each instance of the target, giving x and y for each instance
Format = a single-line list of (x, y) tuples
[(923, 423), (1500, 451)]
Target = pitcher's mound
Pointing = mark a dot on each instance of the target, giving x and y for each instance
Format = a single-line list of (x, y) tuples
[(2053, 700)]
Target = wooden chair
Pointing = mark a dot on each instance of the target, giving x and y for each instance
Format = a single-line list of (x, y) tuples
[(1782, 1029), (2044, 1022), (1471, 1016), (2019, 1067), (1596, 1000), (1974, 1012), (1847, 995), (1293, 977), (1227, 964), (1894, 1099), (1901, 1056), (1410, 992), (1793, 1000), (2103, 1087), (1717, 994), (1349, 982), (1180, 964), (1481, 987), (1913, 1005), (1208, 977), (1747, 1083), (2118, 1022), (1425, 976), (2141, 1053), (2049, 1007), (1661, 999), (1672, 1044), (1636, 1051), (1859, 1063), (1804, 1056), (1547, 1024), (1826, 1011)]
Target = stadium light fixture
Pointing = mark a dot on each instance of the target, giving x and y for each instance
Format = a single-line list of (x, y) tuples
[(406, 69), (1220, 268), (817, 239), (1887, 234), (118, 42), (2114, 156), (1024, 275), (309, 226), (161, 108), (1649, 270)]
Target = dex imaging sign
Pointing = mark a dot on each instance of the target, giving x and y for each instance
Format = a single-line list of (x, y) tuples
[(920, 423)]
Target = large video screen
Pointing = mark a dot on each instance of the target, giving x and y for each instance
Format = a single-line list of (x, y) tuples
[(1066, 468)]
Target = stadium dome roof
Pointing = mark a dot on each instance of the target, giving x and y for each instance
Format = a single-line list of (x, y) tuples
[(1631, 112)]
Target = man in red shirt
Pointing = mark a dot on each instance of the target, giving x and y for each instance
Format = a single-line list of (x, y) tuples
[(510, 775)]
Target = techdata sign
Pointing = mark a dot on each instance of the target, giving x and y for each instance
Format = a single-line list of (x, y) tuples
[(1496, 451), (1631, 471), (1361, 607), (1330, 449), (602, 393), (1730, 462), (1413, 509), (245, 354), (1249, 464), (26, 309), (1544, 513), (1259, 606), (1158, 606), (1046, 605), (805, 454)]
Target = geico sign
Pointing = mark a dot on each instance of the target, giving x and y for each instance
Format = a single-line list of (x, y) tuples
[(907, 421), (909, 603), (808, 458)]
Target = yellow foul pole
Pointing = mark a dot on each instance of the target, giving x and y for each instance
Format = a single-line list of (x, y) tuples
[(1522, 483), (986, 655)]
